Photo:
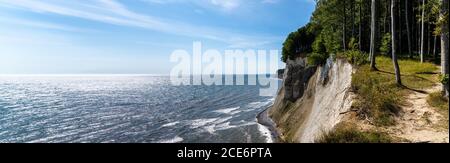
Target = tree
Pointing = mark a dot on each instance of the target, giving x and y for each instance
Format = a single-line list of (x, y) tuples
[(360, 25), (422, 40), (298, 42), (408, 31), (344, 24), (444, 43), (394, 41), (373, 39)]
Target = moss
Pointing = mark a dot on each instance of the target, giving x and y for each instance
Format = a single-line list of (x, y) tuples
[(348, 133)]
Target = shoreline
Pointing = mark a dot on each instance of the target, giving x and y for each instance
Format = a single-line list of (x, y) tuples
[(264, 119)]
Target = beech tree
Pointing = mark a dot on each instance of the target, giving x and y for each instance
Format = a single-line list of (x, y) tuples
[(373, 36), (394, 41), (444, 44)]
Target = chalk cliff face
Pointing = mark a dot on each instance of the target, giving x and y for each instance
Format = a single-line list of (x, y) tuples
[(296, 77), (312, 99)]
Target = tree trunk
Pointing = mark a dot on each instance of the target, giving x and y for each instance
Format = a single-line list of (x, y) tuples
[(373, 33), (408, 31), (429, 39), (385, 20), (360, 26), (344, 25), (444, 45), (394, 41), (434, 49), (422, 38), (400, 29), (353, 17)]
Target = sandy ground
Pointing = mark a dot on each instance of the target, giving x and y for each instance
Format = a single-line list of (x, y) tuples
[(419, 122)]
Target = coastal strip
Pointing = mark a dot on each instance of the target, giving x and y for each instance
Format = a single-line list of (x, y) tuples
[(264, 119)]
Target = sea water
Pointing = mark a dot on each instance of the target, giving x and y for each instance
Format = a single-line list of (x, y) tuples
[(128, 109)]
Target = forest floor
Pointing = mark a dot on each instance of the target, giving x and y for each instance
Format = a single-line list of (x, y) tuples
[(419, 122)]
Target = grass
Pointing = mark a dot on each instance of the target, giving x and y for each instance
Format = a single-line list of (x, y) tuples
[(415, 75), (348, 133), (441, 104), (379, 97)]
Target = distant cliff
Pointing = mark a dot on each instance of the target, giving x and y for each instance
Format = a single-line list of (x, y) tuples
[(312, 99)]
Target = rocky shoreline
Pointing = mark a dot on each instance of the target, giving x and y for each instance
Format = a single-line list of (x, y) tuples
[(264, 119)]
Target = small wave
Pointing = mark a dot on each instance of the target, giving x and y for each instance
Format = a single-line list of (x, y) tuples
[(202, 122), (230, 111), (260, 104), (170, 124), (227, 125), (176, 139)]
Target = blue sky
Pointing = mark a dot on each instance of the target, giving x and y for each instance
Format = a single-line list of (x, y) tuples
[(135, 36)]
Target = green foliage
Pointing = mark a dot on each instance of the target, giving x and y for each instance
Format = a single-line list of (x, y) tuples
[(377, 96), (444, 79), (386, 42), (353, 44), (317, 58), (319, 45), (349, 133), (329, 15), (298, 42), (356, 57), (437, 100), (331, 40)]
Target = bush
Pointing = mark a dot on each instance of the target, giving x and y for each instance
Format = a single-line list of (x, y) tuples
[(444, 79), (349, 133), (386, 41), (356, 57), (319, 46), (353, 44), (317, 58)]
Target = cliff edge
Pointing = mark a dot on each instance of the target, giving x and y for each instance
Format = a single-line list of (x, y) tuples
[(312, 99)]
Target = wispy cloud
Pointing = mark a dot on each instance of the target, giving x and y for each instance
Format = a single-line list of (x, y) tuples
[(113, 12), (218, 5), (42, 25)]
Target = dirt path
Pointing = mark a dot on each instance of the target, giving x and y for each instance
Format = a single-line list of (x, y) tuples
[(419, 122)]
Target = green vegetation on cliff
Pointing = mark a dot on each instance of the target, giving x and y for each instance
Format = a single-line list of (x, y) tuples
[(392, 56), (379, 97), (349, 133)]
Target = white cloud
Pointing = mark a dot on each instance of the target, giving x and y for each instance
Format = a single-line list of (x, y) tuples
[(226, 4), (218, 5), (270, 1), (42, 25), (113, 12)]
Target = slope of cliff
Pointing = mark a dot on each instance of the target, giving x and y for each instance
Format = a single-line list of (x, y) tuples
[(312, 99)]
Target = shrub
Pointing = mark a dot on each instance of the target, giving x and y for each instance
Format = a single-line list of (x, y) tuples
[(319, 45), (386, 44), (444, 79), (353, 44), (349, 133), (317, 58), (356, 57)]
